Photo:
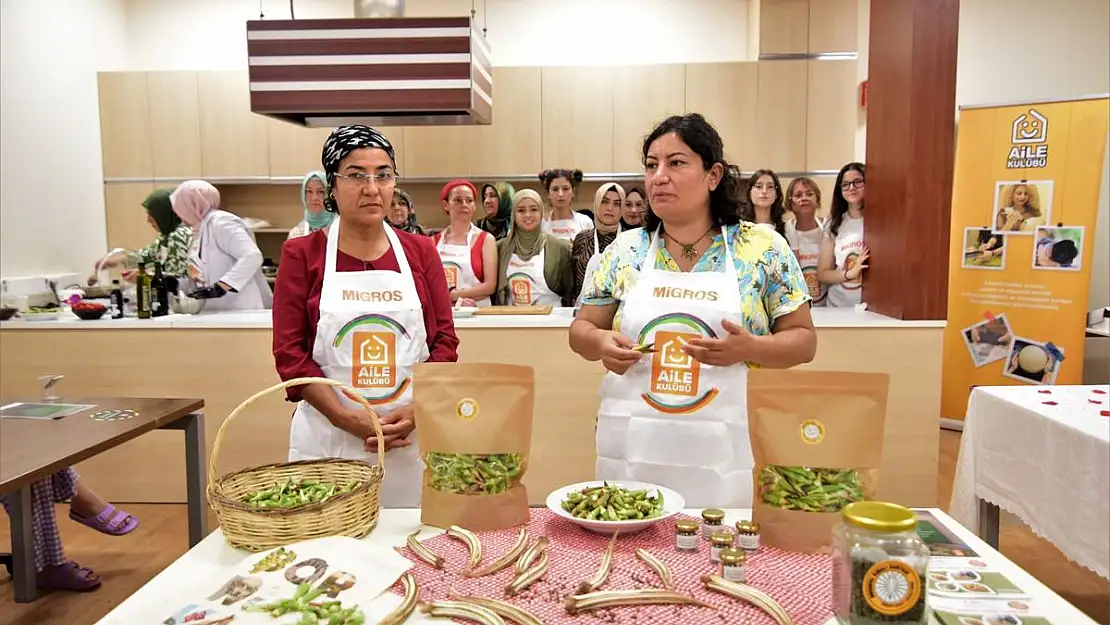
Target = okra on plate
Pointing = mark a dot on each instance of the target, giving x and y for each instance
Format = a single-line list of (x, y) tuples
[(614, 503)]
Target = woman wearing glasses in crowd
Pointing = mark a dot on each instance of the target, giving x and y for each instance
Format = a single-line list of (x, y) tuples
[(334, 288), (843, 253), (805, 231)]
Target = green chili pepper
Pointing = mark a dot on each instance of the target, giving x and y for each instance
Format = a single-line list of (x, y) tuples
[(810, 489), (613, 503), (474, 474)]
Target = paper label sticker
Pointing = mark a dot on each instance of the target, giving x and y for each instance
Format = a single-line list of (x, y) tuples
[(891, 587), (467, 409), (812, 431)]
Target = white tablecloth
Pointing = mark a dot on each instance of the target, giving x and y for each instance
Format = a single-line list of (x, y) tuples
[(1043, 454), (395, 525)]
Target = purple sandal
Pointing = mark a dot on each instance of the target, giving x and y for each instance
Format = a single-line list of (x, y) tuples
[(69, 576), (110, 521)]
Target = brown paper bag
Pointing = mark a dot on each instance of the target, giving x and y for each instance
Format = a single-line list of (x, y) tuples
[(474, 424), (817, 439)]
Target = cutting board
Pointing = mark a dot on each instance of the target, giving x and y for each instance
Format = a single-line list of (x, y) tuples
[(514, 310)]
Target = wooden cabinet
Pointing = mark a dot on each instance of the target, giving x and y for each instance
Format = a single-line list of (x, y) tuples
[(577, 127), (511, 144), (833, 26), (439, 151), (832, 116), (784, 26), (726, 94), (124, 215), (125, 137), (294, 150), (175, 145), (643, 96), (234, 142), (781, 117)]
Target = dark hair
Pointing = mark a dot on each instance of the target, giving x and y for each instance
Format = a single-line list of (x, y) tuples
[(704, 140), (839, 206), (1063, 252), (549, 176), (747, 210)]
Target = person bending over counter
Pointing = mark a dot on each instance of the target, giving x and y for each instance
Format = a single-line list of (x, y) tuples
[(360, 274), (635, 204), (561, 186), (843, 252), (805, 231), (695, 264), (497, 199), (465, 249), (534, 267), (589, 244), (171, 248), (313, 190), (225, 263), (764, 205)]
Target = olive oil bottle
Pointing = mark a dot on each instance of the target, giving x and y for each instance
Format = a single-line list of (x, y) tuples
[(143, 292), (161, 297)]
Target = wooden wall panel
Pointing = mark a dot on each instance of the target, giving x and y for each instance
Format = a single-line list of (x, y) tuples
[(294, 150), (831, 114), (833, 26), (447, 151), (124, 216), (727, 95), (175, 123), (910, 153), (233, 139), (578, 118), (125, 137), (512, 143), (643, 96), (784, 26), (781, 116)]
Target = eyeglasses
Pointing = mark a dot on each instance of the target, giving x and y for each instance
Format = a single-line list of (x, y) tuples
[(808, 195), (383, 178), (851, 184)]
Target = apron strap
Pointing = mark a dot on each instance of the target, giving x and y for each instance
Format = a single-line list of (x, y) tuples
[(332, 249)]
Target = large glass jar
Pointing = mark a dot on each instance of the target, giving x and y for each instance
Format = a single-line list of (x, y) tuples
[(880, 566)]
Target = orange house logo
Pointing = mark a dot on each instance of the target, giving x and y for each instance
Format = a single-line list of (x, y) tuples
[(374, 360), (451, 272), (520, 285), (676, 385), (673, 371)]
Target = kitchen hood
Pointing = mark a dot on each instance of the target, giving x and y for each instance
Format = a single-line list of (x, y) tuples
[(430, 71)]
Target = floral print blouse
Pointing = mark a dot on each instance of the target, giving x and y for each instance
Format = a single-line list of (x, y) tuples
[(769, 279), (174, 256)]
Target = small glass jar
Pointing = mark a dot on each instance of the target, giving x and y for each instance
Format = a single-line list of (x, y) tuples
[(686, 535), (718, 542), (747, 535), (733, 565), (712, 521), (880, 566)]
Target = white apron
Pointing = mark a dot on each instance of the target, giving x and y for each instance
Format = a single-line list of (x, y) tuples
[(670, 420), (847, 246), (567, 229), (595, 260), (527, 284), (806, 246), (457, 266), (371, 333)]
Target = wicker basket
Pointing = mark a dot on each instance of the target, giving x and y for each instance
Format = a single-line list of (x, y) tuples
[(352, 514)]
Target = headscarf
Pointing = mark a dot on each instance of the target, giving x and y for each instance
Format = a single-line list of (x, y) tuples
[(344, 140), (498, 223), (600, 195), (410, 224), (160, 209), (322, 219), (192, 200), (524, 244)]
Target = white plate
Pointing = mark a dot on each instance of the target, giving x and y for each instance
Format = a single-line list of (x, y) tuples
[(673, 503), (47, 316), (460, 313)]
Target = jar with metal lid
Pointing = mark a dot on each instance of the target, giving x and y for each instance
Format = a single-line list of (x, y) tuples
[(712, 521), (686, 535), (880, 566), (718, 542), (747, 535), (733, 565)]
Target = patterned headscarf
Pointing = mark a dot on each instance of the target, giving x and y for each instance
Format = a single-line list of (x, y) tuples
[(192, 200), (498, 223), (344, 140), (410, 224), (160, 209), (322, 219)]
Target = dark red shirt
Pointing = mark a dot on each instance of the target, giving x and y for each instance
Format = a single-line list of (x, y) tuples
[(297, 300)]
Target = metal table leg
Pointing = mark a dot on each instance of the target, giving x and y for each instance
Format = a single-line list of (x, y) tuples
[(23, 546), (195, 477), (988, 523)]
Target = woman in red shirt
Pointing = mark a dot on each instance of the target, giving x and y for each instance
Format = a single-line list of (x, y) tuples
[(465, 249), (360, 303)]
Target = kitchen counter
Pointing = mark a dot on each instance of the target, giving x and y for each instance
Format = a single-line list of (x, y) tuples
[(226, 357), (559, 318)]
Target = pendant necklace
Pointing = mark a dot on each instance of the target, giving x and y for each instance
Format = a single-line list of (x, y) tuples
[(689, 250)]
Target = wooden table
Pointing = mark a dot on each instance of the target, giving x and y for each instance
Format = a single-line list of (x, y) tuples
[(33, 449)]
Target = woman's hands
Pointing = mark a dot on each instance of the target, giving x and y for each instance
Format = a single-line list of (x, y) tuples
[(465, 302), (397, 425), (616, 351), (739, 346), (851, 274)]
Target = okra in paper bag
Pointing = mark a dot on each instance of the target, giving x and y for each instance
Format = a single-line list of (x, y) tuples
[(817, 440), (475, 425)]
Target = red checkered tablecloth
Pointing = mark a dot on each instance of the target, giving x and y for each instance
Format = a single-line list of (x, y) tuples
[(801, 583)]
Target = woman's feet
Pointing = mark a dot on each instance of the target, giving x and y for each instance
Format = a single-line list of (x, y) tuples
[(111, 521), (68, 576)]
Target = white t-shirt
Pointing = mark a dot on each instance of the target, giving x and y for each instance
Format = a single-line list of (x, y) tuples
[(567, 229), (846, 247), (806, 245)]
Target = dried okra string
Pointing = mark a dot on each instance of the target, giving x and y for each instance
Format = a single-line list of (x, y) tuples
[(810, 489), (473, 474)]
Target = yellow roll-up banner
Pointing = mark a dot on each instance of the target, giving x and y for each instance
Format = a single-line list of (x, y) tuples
[(1024, 207)]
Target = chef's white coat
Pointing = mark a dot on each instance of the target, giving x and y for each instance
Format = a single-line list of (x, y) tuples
[(224, 250)]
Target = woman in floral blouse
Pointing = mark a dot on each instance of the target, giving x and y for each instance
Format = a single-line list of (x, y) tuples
[(171, 248)]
